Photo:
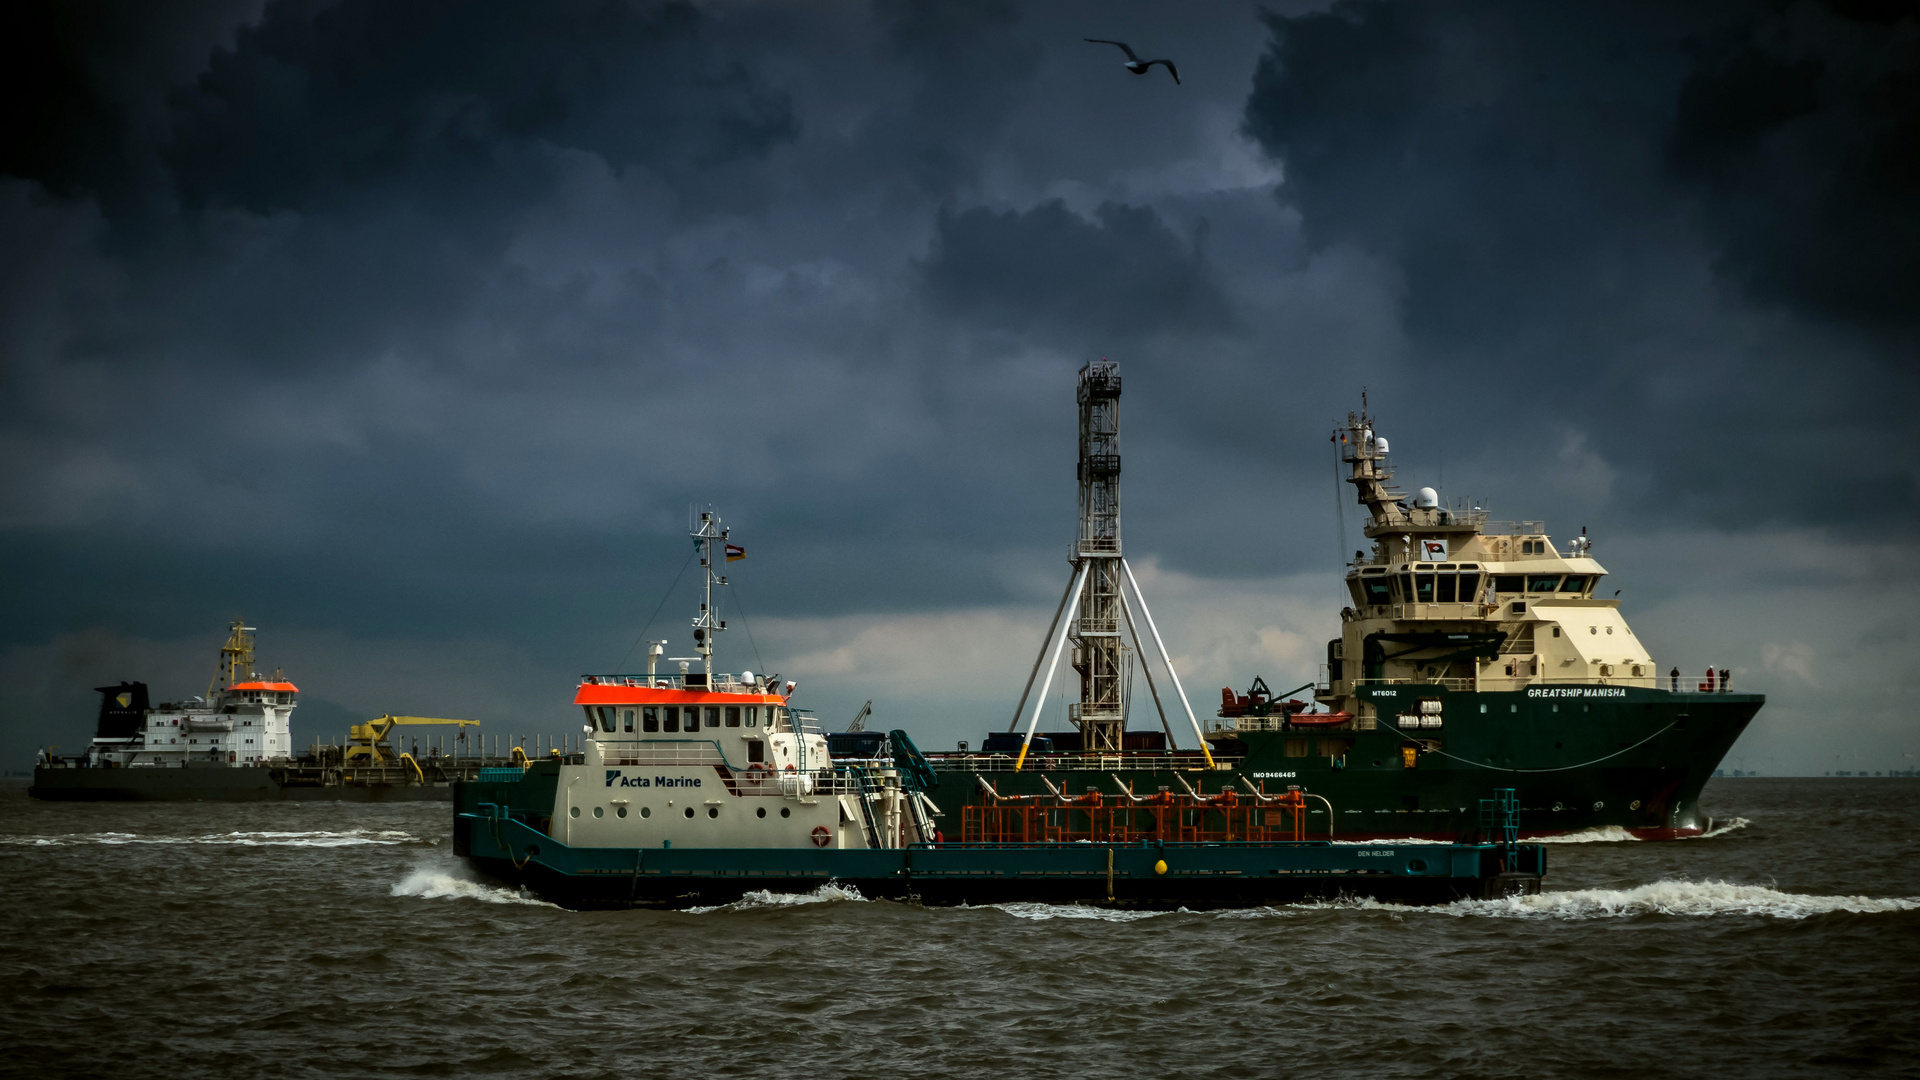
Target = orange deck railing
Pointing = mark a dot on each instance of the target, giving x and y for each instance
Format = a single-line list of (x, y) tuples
[(1173, 818)]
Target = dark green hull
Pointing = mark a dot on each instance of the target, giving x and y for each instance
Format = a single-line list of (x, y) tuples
[(1578, 757), (1140, 875)]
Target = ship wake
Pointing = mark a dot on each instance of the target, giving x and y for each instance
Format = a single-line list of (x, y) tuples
[(305, 838), (758, 899), (450, 882), (1686, 899)]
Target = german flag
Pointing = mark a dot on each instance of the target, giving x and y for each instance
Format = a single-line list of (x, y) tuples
[(735, 553)]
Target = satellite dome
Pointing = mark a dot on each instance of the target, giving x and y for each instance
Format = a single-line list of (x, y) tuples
[(1426, 499), (1380, 444)]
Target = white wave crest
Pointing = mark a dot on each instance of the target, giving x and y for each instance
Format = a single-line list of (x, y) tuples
[(1722, 828), (1683, 898), (1600, 834), (441, 883), (831, 892), (310, 838), (1377, 843), (1041, 912)]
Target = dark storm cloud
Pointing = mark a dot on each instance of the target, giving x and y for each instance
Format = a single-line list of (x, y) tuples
[(320, 100), (1121, 274), (1801, 132), (1598, 212)]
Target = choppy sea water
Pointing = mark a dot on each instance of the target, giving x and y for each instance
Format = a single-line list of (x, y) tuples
[(342, 940)]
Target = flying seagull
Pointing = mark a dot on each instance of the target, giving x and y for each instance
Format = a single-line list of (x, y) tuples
[(1134, 63)]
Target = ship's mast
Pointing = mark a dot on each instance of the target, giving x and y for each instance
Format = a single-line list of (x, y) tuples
[(1099, 654), (236, 657), (708, 530), (1370, 473), (1099, 606)]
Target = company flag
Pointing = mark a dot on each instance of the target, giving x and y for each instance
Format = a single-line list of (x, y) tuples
[(735, 553)]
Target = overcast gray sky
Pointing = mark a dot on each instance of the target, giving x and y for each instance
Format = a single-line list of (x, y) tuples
[(411, 331)]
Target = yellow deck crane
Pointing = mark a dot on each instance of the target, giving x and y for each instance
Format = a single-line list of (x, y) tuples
[(367, 743)]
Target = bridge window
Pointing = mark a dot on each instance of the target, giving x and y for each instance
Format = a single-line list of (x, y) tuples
[(1375, 591), (672, 720), (650, 718), (1423, 583), (1574, 583), (753, 716), (1508, 583), (1444, 594), (1539, 584), (1469, 588), (713, 716), (733, 716), (606, 718), (626, 720)]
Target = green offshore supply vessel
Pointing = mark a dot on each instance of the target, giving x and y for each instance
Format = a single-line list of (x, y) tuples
[(1474, 656), (696, 788)]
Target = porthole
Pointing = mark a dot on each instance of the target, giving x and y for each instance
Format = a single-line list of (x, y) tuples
[(689, 811), (575, 811), (1417, 866), (785, 812), (713, 811), (1634, 805), (1609, 631), (620, 811), (1599, 806), (599, 811), (646, 811), (1593, 630)]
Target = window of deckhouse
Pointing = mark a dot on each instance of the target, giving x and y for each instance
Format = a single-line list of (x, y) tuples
[(713, 716), (1538, 583), (753, 716), (1508, 583), (650, 718), (671, 722), (1376, 590), (626, 720), (1469, 588), (1575, 583), (606, 718), (733, 716), (1444, 593), (1423, 585)]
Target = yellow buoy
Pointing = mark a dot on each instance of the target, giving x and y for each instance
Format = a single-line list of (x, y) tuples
[(1160, 867)]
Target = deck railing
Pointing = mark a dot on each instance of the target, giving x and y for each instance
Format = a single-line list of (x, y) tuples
[(1179, 760)]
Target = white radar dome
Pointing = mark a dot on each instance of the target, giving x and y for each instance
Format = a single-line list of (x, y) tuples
[(1380, 444), (1426, 499)]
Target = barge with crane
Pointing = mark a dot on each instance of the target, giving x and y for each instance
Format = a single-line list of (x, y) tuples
[(235, 742)]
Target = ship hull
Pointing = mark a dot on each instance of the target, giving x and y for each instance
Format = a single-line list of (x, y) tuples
[(1140, 875), (1577, 758), (231, 784)]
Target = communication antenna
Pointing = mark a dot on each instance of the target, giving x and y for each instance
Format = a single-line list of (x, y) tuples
[(1096, 593)]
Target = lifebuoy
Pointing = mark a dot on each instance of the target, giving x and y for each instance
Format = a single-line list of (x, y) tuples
[(789, 768), (821, 836)]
